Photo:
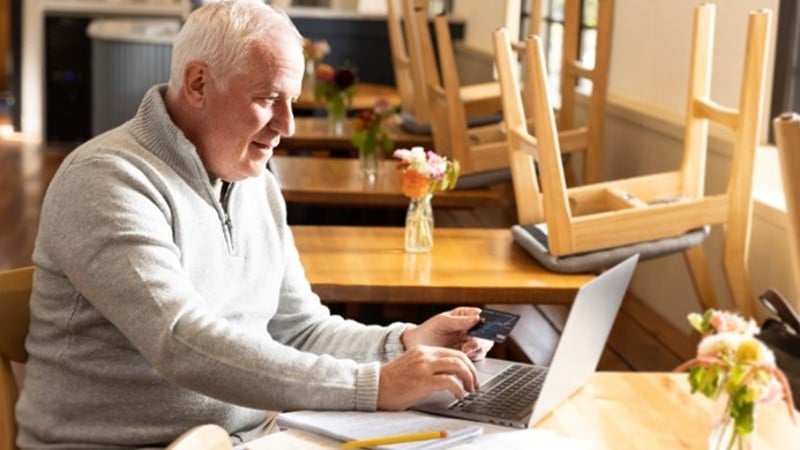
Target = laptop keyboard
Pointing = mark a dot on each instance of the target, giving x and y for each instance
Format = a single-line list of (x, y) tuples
[(508, 395)]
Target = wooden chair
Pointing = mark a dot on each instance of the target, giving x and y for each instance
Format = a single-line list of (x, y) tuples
[(481, 101), (203, 437), (15, 291), (787, 135), (645, 209), (482, 151)]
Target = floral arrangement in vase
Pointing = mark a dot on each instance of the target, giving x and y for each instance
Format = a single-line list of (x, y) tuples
[(736, 370), (336, 88), (371, 135), (423, 173), (313, 52)]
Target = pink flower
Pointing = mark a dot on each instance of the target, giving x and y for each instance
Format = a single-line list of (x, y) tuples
[(723, 321), (315, 50)]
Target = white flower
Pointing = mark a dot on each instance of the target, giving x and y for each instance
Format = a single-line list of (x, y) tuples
[(720, 345)]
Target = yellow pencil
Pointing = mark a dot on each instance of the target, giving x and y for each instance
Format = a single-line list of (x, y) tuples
[(396, 439)]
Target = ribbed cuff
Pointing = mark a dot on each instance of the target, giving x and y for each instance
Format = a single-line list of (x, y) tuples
[(394, 346), (367, 377)]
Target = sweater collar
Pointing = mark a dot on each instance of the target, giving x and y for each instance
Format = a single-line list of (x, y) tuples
[(153, 128)]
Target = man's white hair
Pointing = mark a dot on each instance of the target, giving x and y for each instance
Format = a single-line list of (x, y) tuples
[(220, 34)]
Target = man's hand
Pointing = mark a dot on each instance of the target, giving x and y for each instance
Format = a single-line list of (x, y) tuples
[(449, 329), (421, 371)]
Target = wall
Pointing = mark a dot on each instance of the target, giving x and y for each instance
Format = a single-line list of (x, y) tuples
[(482, 20)]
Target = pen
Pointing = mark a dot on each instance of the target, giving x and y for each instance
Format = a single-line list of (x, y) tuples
[(396, 439)]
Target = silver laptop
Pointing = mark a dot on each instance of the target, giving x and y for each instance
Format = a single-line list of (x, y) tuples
[(519, 395)]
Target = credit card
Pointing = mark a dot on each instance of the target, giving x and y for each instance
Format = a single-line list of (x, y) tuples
[(494, 325)]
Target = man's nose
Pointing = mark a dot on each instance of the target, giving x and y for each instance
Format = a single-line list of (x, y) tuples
[(283, 120)]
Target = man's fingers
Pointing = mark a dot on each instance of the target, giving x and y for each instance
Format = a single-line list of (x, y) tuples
[(443, 382), (465, 311), (456, 362)]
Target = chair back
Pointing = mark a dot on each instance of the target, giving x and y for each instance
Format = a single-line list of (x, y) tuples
[(401, 63), (15, 291), (481, 101), (657, 206), (451, 134)]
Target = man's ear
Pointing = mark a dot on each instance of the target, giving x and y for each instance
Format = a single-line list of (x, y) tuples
[(196, 81)]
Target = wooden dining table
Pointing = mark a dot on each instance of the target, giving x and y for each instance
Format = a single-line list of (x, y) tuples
[(365, 97), (613, 411), (339, 182), (356, 264), (313, 133)]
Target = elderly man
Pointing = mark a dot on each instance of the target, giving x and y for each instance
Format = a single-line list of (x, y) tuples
[(168, 291)]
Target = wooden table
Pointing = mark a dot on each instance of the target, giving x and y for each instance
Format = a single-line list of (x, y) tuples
[(621, 411), (339, 182), (466, 266), (365, 97), (312, 133)]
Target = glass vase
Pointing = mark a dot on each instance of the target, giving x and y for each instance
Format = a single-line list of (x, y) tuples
[(310, 77), (724, 435), (337, 112), (368, 162), (419, 225)]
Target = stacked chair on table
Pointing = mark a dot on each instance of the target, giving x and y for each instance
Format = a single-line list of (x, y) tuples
[(481, 150), (481, 101), (591, 227)]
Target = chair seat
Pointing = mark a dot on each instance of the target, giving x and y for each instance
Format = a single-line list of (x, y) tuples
[(410, 124), (483, 179), (533, 238)]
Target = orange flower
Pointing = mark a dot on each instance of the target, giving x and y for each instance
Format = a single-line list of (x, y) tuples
[(414, 184), (325, 72)]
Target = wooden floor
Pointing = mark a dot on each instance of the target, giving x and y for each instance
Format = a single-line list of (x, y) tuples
[(641, 340)]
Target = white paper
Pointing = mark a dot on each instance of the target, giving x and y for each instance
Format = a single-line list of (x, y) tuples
[(508, 439), (293, 439), (356, 425)]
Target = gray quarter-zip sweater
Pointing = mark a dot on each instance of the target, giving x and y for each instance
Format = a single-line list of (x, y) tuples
[(155, 307)]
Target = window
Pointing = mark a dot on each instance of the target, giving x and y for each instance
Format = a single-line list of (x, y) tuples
[(551, 29)]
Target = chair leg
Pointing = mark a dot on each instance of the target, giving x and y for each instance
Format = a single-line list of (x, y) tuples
[(738, 276), (697, 264)]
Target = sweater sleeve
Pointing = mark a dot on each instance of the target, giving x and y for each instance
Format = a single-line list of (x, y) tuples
[(111, 235)]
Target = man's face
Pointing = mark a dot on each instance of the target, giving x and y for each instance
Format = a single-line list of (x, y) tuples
[(247, 118)]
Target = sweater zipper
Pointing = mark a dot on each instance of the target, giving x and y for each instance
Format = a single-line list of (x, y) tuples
[(227, 225)]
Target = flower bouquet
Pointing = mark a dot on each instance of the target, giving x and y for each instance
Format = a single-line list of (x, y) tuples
[(423, 173), (313, 52), (371, 135), (737, 371), (336, 89)]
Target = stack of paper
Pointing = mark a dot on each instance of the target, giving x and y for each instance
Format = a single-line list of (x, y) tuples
[(356, 425)]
